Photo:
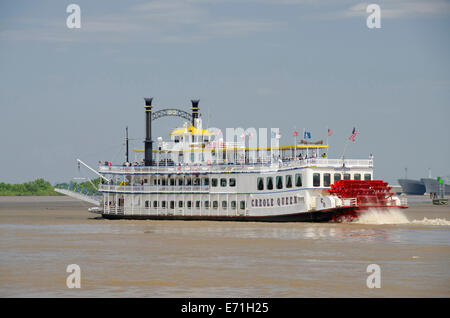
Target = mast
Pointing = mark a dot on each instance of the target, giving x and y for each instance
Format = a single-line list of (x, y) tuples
[(126, 142)]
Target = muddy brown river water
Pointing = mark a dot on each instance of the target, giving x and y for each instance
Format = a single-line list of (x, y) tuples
[(41, 236)]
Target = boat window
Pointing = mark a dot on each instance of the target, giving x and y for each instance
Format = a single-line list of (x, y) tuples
[(367, 176), (163, 204), (197, 181), (197, 204), (206, 181), (206, 204), (337, 177), (298, 180), (269, 183), (172, 181), (224, 204), (357, 176), (260, 184), (215, 204), (288, 181), (180, 204), (147, 204), (172, 204), (214, 182), (189, 204), (326, 179), (164, 181), (279, 182), (155, 204), (180, 181), (233, 204), (242, 205), (223, 182), (188, 181), (346, 176), (316, 180), (232, 182)]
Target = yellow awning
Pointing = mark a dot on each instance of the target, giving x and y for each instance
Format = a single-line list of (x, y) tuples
[(191, 130)]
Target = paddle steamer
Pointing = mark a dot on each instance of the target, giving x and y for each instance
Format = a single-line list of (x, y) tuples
[(198, 176)]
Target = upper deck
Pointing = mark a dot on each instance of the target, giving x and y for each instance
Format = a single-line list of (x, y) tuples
[(263, 167)]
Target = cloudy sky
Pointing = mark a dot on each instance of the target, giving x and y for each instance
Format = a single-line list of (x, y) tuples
[(69, 93)]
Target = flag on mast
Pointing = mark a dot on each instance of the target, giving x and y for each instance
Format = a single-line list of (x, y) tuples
[(295, 133), (330, 132), (307, 135), (353, 135)]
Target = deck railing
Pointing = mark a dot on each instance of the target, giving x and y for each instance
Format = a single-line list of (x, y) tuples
[(152, 188), (224, 168)]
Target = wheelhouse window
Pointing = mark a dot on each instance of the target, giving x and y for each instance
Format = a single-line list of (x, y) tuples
[(232, 182), (316, 180), (357, 176), (367, 176), (346, 176), (269, 183), (223, 182), (279, 182), (337, 177), (214, 182), (288, 181), (326, 179), (260, 183), (298, 180)]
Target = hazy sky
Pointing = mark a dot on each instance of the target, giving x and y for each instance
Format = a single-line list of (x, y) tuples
[(69, 93)]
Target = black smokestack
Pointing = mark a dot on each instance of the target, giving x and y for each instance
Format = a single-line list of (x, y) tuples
[(195, 110), (148, 132)]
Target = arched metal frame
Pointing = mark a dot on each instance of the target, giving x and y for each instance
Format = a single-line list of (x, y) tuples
[(171, 112)]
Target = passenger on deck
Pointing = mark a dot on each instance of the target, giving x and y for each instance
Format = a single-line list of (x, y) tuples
[(300, 157), (324, 155)]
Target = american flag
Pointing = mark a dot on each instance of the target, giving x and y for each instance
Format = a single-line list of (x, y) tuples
[(353, 135), (330, 132), (295, 133)]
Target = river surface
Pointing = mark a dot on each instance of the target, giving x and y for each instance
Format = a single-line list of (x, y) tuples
[(41, 236)]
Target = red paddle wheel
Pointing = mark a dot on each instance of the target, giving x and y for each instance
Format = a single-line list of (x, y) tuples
[(368, 193)]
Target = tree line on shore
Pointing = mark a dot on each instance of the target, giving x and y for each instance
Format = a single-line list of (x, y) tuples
[(42, 187)]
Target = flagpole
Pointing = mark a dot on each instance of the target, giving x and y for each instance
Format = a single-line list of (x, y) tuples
[(327, 141), (295, 142)]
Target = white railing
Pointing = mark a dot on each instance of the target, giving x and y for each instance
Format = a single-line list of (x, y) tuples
[(317, 162), (152, 188)]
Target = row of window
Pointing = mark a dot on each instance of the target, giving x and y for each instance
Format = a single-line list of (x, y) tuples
[(289, 182), (279, 182), (337, 177), (196, 182), (198, 204)]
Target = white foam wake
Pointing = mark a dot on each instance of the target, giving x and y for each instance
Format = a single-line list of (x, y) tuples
[(426, 221), (394, 216), (382, 216)]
